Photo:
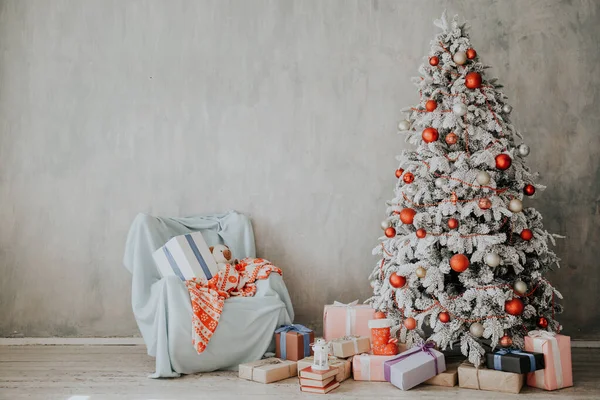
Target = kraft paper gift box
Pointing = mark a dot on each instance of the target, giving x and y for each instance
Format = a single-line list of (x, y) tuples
[(369, 367), (268, 370), (414, 366), (517, 361), (186, 256), (483, 378), (292, 342), (350, 345), (350, 319), (557, 359), (448, 378), (344, 366)]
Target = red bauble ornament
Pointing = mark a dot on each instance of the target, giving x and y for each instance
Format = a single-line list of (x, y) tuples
[(542, 322), (444, 317), (506, 341), (471, 54), (459, 263), (529, 190), (410, 323), (399, 172), (503, 161), (526, 234), (408, 177), (473, 80), (452, 223), (514, 306), (390, 232), (451, 138), (380, 315), (433, 61), (485, 204), (430, 135), (431, 105), (421, 233), (397, 281), (407, 215)]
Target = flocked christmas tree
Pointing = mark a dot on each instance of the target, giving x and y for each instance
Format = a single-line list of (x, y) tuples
[(460, 253)]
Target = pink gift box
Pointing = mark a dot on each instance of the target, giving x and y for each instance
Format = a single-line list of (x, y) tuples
[(351, 319), (369, 367), (557, 358)]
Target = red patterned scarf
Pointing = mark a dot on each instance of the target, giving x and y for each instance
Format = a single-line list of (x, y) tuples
[(208, 297)]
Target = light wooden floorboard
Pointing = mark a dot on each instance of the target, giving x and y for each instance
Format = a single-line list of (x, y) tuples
[(120, 372)]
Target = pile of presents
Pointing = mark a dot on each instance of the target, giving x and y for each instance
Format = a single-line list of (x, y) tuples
[(357, 343)]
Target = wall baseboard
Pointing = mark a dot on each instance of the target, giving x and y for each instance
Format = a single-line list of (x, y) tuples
[(138, 341)]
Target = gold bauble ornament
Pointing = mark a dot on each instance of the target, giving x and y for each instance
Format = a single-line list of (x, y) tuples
[(421, 272)]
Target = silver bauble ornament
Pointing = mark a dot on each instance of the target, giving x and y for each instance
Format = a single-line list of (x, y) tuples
[(492, 259), (520, 287), (459, 109), (410, 189), (460, 57), (507, 108), (385, 224), (476, 329), (515, 205), (404, 125), (439, 182), (524, 150), (483, 178)]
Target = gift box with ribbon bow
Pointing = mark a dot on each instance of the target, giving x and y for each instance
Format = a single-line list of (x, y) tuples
[(350, 319), (517, 361), (292, 342), (556, 348), (350, 345), (414, 366), (267, 370), (482, 378)]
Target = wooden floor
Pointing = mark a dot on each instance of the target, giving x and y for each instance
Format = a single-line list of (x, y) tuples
[(119, 372)]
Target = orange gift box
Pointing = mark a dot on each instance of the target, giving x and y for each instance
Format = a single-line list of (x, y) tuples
[(351, 319), (556, 348)]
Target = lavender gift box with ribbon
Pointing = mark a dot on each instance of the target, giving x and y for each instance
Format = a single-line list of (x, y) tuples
[(414, 366), (517, 361), (292, 342)]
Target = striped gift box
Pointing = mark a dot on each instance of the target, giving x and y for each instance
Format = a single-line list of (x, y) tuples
[(186, 256)]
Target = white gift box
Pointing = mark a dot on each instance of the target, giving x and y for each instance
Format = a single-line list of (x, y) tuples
[(186, 256)]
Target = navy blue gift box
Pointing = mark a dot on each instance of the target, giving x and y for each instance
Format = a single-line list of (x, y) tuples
[(516, 361)]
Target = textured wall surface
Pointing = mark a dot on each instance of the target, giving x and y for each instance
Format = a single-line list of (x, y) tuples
[(284, 110)]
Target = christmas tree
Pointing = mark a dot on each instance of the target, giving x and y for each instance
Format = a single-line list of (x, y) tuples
[(461, 254)]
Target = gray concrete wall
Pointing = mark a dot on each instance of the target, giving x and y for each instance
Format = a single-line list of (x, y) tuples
[(284, 110)]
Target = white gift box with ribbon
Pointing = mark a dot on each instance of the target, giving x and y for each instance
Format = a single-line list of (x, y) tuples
[(186, 256)]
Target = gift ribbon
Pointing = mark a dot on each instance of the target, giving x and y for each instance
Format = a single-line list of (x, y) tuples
[(538, 347), (173, 263), (350, 315), (365, 367), (198, 256), (301, 329), (423, 347), (498, 358)]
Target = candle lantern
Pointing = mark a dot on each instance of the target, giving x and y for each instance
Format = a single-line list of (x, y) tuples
[(321, 358)]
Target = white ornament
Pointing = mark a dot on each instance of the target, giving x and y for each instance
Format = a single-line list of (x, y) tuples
[(483, 178), (515, 205), (439, 182), (385, 224), (460, 57), (507, 108), (524, 150), (492, 259), (404, 125), (459, 109), (520, 287), (476, 329)]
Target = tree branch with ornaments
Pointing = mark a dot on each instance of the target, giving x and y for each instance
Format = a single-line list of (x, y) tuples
[(462, 257)]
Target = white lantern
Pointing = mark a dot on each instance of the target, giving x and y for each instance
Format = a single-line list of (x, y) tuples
[(321, 358)]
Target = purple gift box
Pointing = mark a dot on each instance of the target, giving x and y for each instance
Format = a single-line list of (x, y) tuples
[(414, 366)]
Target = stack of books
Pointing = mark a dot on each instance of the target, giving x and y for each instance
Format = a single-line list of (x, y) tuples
[(318, 381)]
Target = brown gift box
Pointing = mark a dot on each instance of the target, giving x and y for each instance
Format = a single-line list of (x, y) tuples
[(345, 346), (447, 378), (294, 345), (268, 370), (344, 366), (482, 378)]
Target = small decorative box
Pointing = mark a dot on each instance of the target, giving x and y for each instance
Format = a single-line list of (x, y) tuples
[(292, 342), (350, 345), (268, 370)]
